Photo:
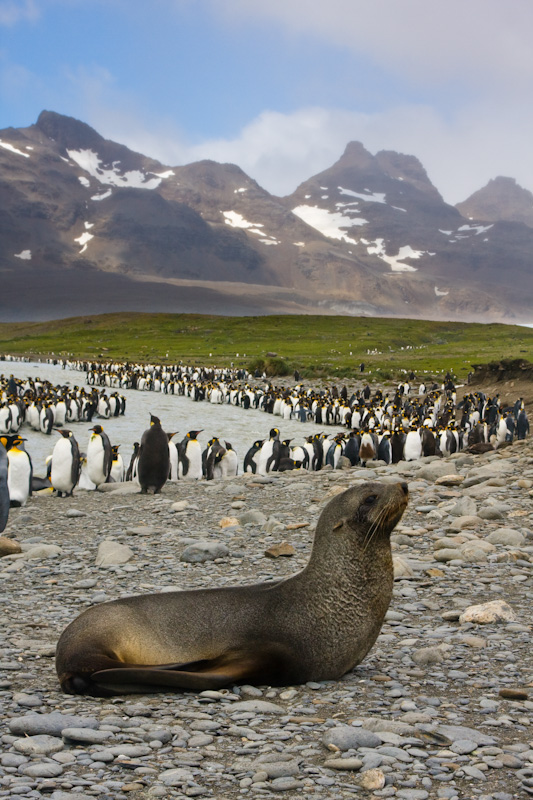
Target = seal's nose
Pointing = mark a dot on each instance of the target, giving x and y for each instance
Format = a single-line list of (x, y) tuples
[(404, 487)]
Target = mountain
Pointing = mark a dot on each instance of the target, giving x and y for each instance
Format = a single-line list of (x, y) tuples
[(501, 199), (88, 226)]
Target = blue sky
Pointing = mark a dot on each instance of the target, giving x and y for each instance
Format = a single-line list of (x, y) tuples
[(280, 87)]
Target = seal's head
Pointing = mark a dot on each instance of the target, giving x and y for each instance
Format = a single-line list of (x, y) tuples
[(365, 513)]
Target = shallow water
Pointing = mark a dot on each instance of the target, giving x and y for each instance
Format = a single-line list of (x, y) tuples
[(181, 414)]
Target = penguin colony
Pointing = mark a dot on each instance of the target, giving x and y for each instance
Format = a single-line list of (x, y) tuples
[(386, 427)]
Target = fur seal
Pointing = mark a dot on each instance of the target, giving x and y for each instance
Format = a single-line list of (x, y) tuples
[(315, 625)]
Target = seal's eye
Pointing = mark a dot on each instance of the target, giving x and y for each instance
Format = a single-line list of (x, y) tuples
[(370, 500)]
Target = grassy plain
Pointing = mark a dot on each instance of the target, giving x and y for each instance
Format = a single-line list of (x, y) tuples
[(318, 346)]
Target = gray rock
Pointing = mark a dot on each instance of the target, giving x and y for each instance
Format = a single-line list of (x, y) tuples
[(457, 732), (42, 770), (346, 737), (435, 469), (74, 513), (60, 795), (252, 517), (465, 507), (175, 777), (41, 552), (202, 551), (428, 655), (463, 746), (52, 724), (506, 536), (85, 735), (41, 744), (257, 706)]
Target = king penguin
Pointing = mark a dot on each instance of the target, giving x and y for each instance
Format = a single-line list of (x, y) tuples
[(230, 461), (190, 457), (19, 470), (154, 458), (99, 456), (66, 464), (117, 465), (173, 456), (266, 455), (252, 456), (131, 472), (4, 491)]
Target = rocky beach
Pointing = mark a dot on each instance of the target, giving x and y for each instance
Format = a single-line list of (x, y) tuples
[(440, 708)]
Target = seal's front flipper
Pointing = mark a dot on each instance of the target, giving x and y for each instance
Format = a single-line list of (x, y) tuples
[(233, 667)]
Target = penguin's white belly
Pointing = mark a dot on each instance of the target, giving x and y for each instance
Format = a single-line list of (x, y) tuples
[(95, 461), (18, 478), (61, 474)]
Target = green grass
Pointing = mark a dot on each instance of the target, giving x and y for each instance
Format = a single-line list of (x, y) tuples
[(328, 347)]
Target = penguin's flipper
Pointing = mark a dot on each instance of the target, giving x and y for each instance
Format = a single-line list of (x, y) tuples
[(232, 667)]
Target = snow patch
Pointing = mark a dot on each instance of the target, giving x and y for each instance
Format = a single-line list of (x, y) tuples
[(24, 255), (168, 174), (299, 244), (84, 181), (91, 163), (477, 228), (371, 197), (397, 208), (102, 196), (84, 239), (378, 249), (237, 191), (29, 147), (13, 149), (440, 293), (237, 221), (446, 233), (328, 223), (88, 225)]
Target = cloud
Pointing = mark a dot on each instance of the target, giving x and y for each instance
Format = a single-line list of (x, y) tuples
[(13, 11), (484, 43), (282, 150)]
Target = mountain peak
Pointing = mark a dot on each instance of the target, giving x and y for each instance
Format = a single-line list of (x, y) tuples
[(67, 131), (356, 155), (501, 199)]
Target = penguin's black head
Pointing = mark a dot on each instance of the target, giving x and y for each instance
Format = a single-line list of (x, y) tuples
[(154, 420), (97, 429), (64, 432), (193, 434)]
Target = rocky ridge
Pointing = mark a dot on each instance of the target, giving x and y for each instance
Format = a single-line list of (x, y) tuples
[(441, 707)]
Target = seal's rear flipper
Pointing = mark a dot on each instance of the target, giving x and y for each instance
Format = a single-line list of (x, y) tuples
[(226, 670)]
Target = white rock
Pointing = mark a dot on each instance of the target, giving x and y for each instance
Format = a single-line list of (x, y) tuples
[(494, 611), (112, 553)]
